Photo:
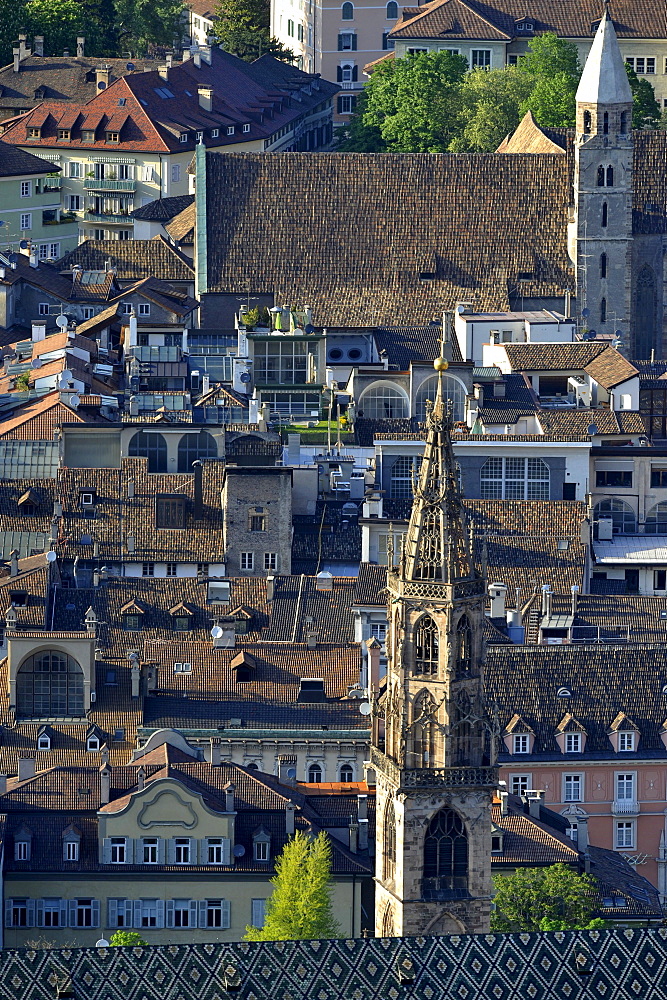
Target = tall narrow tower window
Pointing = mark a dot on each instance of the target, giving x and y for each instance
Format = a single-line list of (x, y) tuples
[(445, 855), (624, 122), (610, 177), (605, 215), (463, 645), (426, 646), (603, 265), (603, 310), (389, 853), (423, 731), (605, 123), (600, 177), (587, 122)]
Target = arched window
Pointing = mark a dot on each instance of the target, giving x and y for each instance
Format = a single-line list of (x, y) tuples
[(347, 11), (461, 743), (253, 766), (603, 310), (603, 265), (346, 773), (453, 392), (315, 774), (401, 478), (610, 177), (195, 448), (147, 444), (463, 645), (445, 855), (423, 730), (381, 401), (656, 519), (392, 10), (620, 513), (427, 638), (347, 73), (600, 177), (605, 123), (389, 845), (646, 312), (605, 214), (624, 122), (49, 684), (587, 122), (388, 922)]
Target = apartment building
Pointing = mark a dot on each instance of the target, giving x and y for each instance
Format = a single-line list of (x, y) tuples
[(30, 207)]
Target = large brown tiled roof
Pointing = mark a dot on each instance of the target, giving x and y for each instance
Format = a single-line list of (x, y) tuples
[(375, 267), (37, 420), (182, 228), (450, 19), (569, 423), (552, 357), (529, 137), (610, 368), (133, 260)]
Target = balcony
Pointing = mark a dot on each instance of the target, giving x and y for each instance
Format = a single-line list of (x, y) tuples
[(434, 777), (51, 218), (50, 184), (92, 184), (625, 807), (123, 220), (445, 887)]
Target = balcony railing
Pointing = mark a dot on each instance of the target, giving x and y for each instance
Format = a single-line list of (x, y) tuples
[(126, 220), (624, 807), (445, 887), (65, 219), (434, 777), (93, 184)]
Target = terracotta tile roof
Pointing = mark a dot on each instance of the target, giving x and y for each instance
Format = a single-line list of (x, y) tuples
[(164, 209), (449, 19), (132, 260), (37, 420), (182, 227), (568, 423), (61, 340), (529, 137), (552, 357), (527, 841), (610, 368)]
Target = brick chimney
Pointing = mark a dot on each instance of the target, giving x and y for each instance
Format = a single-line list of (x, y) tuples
[(38, 45), (80, 46), (205, 98), (26, 768), (105, 784)]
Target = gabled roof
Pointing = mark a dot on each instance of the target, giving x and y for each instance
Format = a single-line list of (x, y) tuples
[(529, 137), (568, 724), (623, 724), (132, 260), (517, 725), (609, 368), (16, 162), (449, 19), (182, 227)]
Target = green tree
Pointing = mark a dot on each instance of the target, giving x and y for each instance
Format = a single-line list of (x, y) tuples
[(356, 137), (552, 64), (243, 28), (415, 102), (60, 21), (533, 899), (490, 101), (127, 939), (547, 55), (645, 109), (300, 905), (141, 24)]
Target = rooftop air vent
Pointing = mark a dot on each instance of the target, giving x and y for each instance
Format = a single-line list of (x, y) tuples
[(564, 692)]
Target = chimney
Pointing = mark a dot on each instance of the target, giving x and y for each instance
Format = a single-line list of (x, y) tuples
[(216, 751), (354, 836), (289, 819), (136, 677), (23, 48), (374, 648), (229, 798), (91, 617), (105, 784), (96, 578), (141, 779), (102, 74), (582, 834), (362, 807), (479, 395), (38, 45), (311, 640), (199, 490), (270, 586), (38, 331), (26, 768), (196, 58), (205, 98), (169, 59), (534, 803), (17, 60), (546, 600), (498, 595), (363, 834), (205, 51), (3, 784), (32, 258), (130, 489), (205, 383), (163, 72), (575, 591), (186, 54), (80, 46), (14, 562), (504, 796)]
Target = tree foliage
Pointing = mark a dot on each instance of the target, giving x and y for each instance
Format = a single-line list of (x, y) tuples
[(243, 28), (300, 905), (143, 24), (645, 109), (59, 21), (554, 898), (490, 101), (127, 939)]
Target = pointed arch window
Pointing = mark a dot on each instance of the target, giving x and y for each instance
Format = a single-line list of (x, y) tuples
[(389, 845), (610, 177), (603, 265), (603, 310), (463, 645), (605, 123), (600, 177), (624, 122), (427, 646), (445, 856), (587, 122), (392, 10), (605, 214), (423, 730)]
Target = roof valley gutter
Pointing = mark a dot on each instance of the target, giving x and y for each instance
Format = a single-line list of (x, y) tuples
[(298, 608), (201, 247)]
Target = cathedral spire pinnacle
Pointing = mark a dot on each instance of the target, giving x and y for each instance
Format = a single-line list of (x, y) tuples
[(437, 546), (604, 79)]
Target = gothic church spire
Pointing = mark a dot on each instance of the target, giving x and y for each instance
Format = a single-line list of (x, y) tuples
[(604, 79)]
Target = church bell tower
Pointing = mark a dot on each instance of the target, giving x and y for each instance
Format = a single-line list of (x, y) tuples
[(601, 229), (434, 783)]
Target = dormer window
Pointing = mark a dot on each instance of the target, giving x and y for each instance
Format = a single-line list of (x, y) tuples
[(132, 622), (496, 840), (87, 135), (261, 843), (170, 512), (71, 844), (87, 498), (43, 740), (181, 623), (572, 742), (34, 133), (244, 666), (113, 136), (64, 134), (22, 846), (246, 127), (311, 690), (230, 130), (18, 598), (626, 742), (93, 743), (521, 743), (183, 137)]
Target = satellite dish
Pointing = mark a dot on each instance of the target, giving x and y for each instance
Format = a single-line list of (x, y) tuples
[(35, 363), (129, 67), (216, 632), (239, 850), (618, 333), (51, 557), (291, 773), (102, 943), (585, 312), (61, 322), (101, 85), (24, 244), (365, 708), (592, 429), (74, 401), (13, 258), (67, 375), (245, 377)]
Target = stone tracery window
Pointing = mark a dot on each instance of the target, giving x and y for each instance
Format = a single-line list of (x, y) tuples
[(389, 845), (427, 645), (445, 854), (423, 730), (463, 645)]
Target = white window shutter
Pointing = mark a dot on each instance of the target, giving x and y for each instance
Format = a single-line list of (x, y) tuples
[(203, 851), (137, 907), (129, 850), (138, 851), (63, 913), (160, 851), (96, 913), (193, 913), (8, 912), (126, 906), (72, 912), (106, 851), (226, 913), (171, 852), (160, 913), (226, 850), (194, 844), (31, 913), (112, 913), (203, 910), (258, 912), (170, 913), (40, 912)]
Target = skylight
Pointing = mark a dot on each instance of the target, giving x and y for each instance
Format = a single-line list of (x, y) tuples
[(163, 92)]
